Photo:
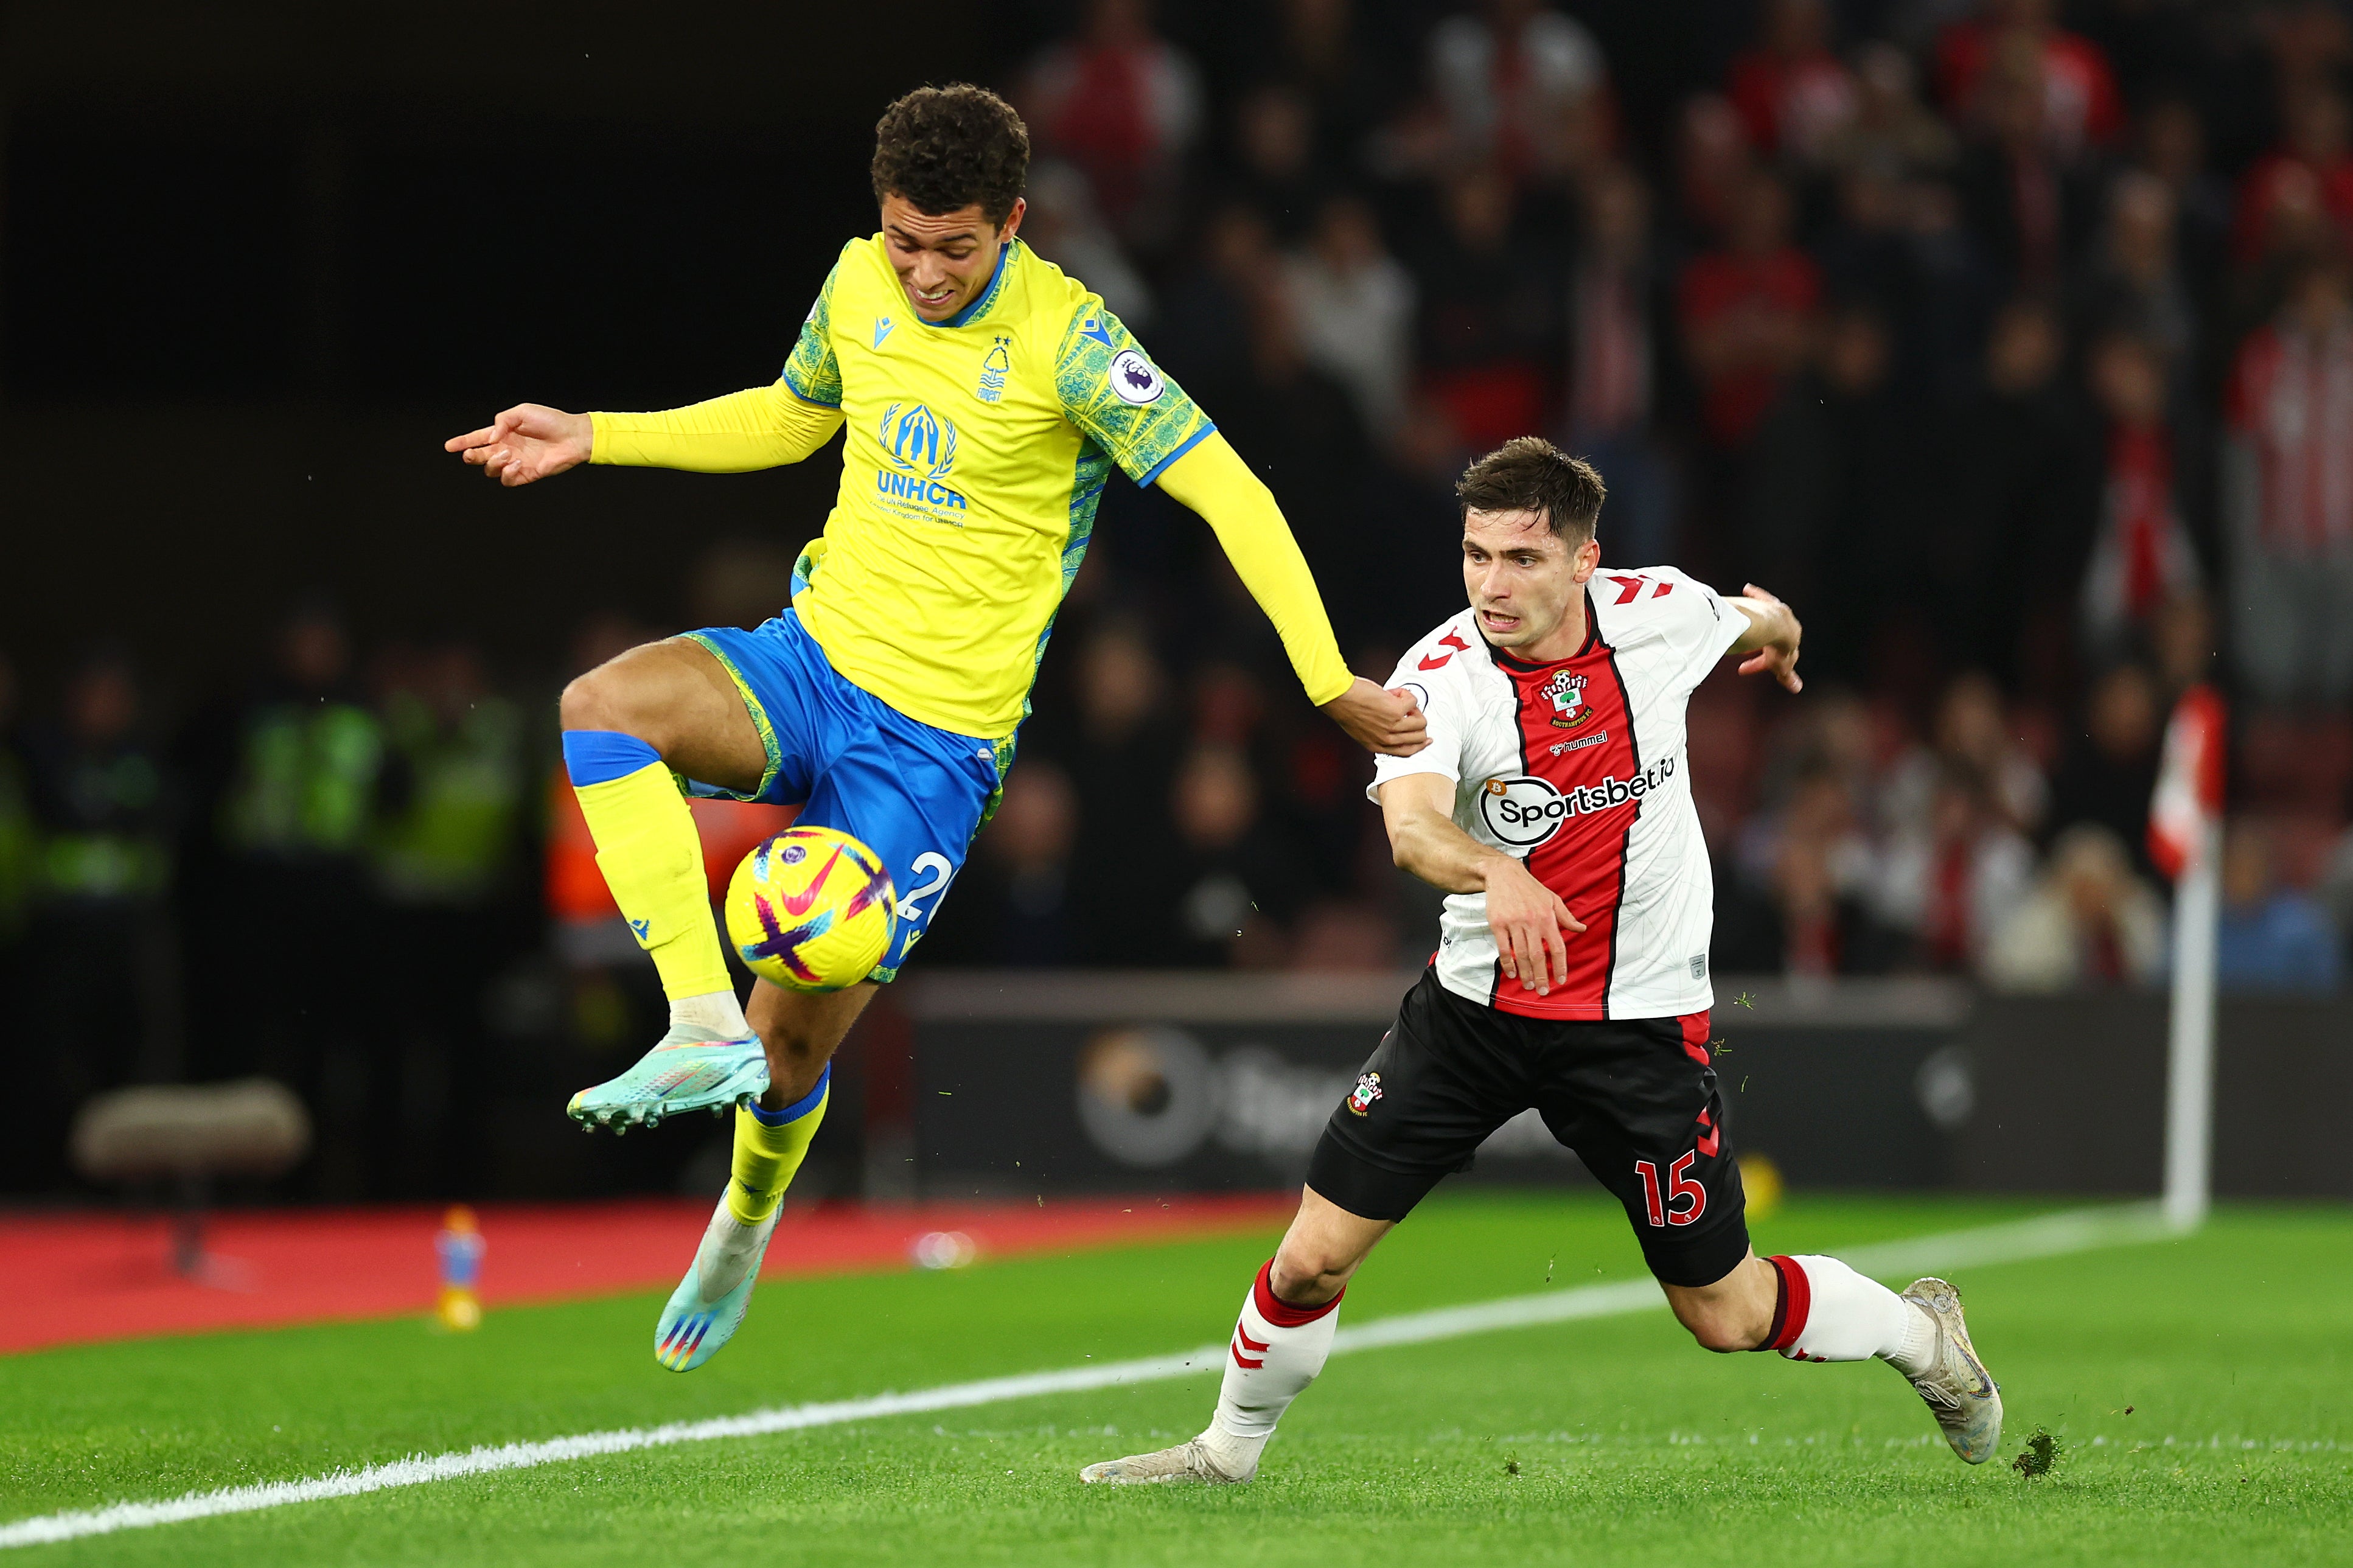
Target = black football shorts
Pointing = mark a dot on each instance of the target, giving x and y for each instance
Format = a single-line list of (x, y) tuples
[(1635, 1099)]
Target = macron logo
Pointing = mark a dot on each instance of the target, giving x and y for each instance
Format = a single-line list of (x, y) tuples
[(641, 928), (881, 329)]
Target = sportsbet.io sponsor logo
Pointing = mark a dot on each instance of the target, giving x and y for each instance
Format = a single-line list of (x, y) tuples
[(1521, 811), (921, 448), (1525, 812)]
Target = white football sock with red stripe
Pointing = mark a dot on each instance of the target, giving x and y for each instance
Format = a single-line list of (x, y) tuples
[(1276, 1351), (1826, 1312)]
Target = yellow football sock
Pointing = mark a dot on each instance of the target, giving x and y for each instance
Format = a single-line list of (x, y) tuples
[(767, 1154), (652, 860)]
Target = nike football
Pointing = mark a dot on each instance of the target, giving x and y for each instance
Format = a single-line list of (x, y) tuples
[(811, 909)]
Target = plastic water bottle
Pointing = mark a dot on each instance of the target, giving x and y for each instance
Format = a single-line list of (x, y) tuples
[(461, 1245)]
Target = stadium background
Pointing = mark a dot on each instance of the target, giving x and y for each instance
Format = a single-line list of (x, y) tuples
[(1926, 314)]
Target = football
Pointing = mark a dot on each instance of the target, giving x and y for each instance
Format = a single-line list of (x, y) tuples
[(811, 909)]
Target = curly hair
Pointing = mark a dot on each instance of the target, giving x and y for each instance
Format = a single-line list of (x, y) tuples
[(947, 148)]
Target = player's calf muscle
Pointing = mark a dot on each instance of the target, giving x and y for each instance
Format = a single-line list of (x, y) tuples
[(801, 1031), (1720, 1331), (1735, 1313)]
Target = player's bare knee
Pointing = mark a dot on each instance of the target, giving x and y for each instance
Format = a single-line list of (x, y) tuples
[(637, 697), (600, 700), (580, 706), (1307, 1275)]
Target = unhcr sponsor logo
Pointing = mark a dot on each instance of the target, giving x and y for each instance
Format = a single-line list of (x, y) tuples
[(921, 449), (917, 440), (914, 487)]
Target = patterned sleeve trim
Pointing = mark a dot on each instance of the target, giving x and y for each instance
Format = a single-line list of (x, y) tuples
[(1113, 392), (813, 372)]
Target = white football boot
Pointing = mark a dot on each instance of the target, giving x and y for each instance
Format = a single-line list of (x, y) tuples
[(1960, 1392), (1191, 1461), (709, 1304)]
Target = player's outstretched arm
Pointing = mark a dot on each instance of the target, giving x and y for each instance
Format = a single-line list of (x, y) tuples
[(1526, 917), (528, 442), (1213, 480), (760, 427), (1772, 636)]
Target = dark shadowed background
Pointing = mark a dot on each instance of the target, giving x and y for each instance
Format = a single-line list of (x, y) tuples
[(2011, 338)]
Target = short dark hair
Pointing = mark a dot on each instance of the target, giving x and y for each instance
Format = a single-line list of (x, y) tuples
[(947, 148), (1528, 473)]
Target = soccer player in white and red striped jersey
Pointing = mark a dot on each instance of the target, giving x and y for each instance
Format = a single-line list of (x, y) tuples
[(1553, 806)]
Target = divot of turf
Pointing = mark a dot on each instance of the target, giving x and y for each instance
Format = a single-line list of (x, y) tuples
[(2041, 1456)]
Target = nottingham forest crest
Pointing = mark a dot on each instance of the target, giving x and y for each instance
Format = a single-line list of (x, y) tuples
[(1567, 694)]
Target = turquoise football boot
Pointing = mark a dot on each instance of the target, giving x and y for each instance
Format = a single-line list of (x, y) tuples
[(709, 1304), (676, 1077)]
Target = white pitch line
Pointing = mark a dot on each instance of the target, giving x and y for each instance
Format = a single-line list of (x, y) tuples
[(2050, 1236)]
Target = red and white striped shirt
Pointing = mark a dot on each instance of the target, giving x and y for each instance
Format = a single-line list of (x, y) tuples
[(2291, 403), (1579, 768)]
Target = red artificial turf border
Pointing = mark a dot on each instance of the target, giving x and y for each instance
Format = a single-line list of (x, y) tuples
[(88, 1278)]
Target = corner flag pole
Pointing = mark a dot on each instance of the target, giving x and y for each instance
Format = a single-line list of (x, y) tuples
[(2189, 1053), (2185, 838)]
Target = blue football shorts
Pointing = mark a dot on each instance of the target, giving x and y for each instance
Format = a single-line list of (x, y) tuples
[(913, 795)]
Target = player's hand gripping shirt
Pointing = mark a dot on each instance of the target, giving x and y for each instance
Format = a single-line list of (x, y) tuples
[(977, 449), (1577, 768)]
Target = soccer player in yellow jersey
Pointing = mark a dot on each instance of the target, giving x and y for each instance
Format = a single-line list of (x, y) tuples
[(986, 397)]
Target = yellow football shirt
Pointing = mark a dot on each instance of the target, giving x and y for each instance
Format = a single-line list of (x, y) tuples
[(977, 449)]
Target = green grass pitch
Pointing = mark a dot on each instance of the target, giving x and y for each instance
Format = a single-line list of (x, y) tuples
[(1629, 1445)]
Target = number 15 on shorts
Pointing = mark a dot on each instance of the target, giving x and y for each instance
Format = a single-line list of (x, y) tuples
[(1679, 1187)]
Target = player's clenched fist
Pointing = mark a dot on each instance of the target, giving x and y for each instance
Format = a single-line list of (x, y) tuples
[(1528, 919), (1388, 724), (529, 441)]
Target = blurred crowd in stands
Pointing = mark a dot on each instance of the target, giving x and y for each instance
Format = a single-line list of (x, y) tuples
[(2012, 342)]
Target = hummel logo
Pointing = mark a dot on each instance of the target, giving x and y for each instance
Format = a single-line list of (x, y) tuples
[(642, 928), (881, 329), (1241, 1338)]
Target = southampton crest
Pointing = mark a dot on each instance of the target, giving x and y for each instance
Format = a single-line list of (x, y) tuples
[(1567, 694)]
